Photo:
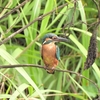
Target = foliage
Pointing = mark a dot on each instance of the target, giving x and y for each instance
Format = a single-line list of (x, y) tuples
[(76, 20)]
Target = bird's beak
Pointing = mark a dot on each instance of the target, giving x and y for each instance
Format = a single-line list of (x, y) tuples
[(60, 39)]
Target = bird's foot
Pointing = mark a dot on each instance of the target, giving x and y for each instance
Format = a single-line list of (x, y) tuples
[(51, 70), (45, 67)]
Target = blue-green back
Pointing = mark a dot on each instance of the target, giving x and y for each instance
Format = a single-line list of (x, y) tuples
[(57, 53)]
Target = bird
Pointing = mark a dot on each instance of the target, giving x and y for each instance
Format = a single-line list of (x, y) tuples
[(50, 52)]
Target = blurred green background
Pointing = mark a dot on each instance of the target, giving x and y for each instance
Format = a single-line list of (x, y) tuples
[(24, 48)]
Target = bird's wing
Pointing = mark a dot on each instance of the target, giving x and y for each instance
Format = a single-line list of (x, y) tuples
[(57, 53)]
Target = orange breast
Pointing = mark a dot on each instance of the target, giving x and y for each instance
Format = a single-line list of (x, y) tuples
[(49, 55)]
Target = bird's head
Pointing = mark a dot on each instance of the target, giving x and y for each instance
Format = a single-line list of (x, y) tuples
[(50, 37)]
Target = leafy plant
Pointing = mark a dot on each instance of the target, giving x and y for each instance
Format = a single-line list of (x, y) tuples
[(21, 33)]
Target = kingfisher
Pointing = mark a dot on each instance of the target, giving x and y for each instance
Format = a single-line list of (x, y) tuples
[(50, 52)]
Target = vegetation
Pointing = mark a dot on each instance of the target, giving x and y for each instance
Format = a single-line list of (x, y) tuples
[(22, 30)]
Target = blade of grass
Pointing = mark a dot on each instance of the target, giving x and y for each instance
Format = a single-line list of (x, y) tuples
[(11, 60), (21, 88), (84, 52), (49, 6), (14, 86), (85, 39), (2, 96), (60, 14)]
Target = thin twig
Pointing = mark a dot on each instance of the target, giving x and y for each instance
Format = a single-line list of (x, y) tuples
[(98, 8), (59, 70), (51, 94), (18, 14), (13, 10), (5, 8), (28, 46), (21, 29), (71, 22)]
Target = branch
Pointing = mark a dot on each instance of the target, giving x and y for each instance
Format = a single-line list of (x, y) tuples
[(72, 20), (42, 67), (13, 10), (98, 8), (21, 29)]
